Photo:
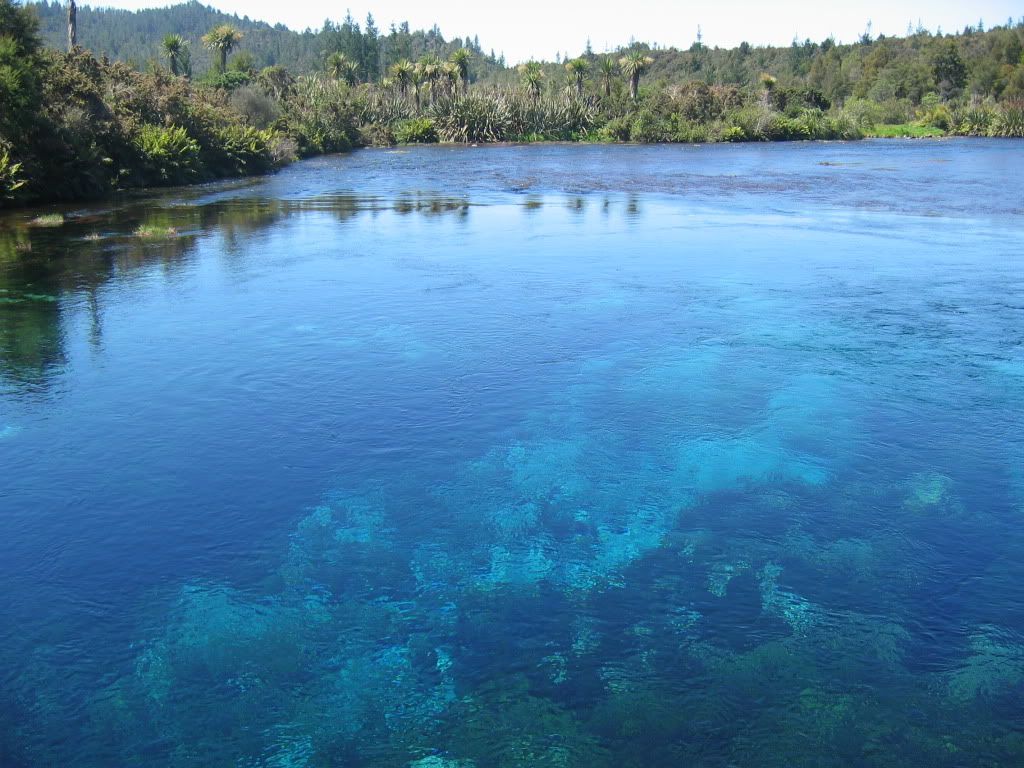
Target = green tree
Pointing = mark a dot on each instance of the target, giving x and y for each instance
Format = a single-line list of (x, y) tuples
[(634, 65), (449, 77), (416, 80), (341, 67), (175, 50), (431, 73), (531, 75), (577, 69), (949, 69), (19, 69), (222, 40), (402, 75), (276, 81), (607, 70), (461, 58)]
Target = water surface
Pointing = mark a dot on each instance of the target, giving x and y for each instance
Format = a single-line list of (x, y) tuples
[(522, 456)]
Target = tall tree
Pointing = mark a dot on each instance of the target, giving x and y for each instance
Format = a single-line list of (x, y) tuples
[(341, 67), (401, 74), (577, 69), (607, 69), (175, 50), (461, 58), (416, 78), (222, 40), (432, 73), (531, 75), (72, 25), (371, 50), (634, 65)]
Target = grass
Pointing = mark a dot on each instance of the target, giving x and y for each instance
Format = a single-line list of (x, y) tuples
[(48, 220), (905, 131), (150, 232)]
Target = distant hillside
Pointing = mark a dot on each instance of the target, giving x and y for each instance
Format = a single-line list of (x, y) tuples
[(973, 62), (134, 37)]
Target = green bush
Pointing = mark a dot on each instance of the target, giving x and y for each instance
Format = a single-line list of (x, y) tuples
[(320, 116), (616, 129), (416, 130), (1009, 120), (688, 132), (244, 150), (973, 120), (734, 133), (650, 128), (10, 177), (169, 155)]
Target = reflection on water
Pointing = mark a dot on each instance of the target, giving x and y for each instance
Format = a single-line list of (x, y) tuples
[(572, 476)]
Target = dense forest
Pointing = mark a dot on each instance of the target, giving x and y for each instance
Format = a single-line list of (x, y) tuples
[(185, 94), (134, 37)]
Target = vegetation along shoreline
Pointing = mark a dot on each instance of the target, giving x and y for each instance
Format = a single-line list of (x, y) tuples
[(83, 114)]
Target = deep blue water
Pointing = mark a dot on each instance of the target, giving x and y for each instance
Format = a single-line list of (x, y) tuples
[(522, 456)]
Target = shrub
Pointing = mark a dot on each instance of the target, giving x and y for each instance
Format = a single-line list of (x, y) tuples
[(733, 133), (320, 116), (170, 155), (688, 132), (257, 108), (616, 129), (10, 177), (376, 135), (417, 130), (973, 120), (649, 128), (1009, 120), (244, 150)]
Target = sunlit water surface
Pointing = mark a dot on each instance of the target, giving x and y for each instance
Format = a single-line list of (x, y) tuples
[(522, 456)]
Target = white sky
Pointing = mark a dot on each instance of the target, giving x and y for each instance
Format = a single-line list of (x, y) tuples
[(541, 28)]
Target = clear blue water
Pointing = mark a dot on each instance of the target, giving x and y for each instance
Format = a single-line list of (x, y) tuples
[(522, 456)]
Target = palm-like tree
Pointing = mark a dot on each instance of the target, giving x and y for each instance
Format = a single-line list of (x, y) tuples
[(341, 67), (450, 77), (402, 73), (431, 72), (461, 59), (531, 75), (577, 69), (633, 65), (607, 69), (175, 50), (223, 40), (416, 79)]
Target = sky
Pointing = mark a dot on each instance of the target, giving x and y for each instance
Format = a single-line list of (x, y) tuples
[(541, 29)]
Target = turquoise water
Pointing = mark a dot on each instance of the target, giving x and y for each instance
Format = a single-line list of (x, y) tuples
[(522, 456)]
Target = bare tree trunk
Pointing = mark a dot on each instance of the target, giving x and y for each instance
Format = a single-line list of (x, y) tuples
[(72, 25)]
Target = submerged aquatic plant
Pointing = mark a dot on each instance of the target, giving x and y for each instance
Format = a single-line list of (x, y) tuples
[(994, 666)]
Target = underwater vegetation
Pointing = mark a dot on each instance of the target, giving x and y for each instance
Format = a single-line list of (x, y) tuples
[(376, 647)]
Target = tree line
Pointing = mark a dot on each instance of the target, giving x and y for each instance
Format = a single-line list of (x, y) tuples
[(76, 122)]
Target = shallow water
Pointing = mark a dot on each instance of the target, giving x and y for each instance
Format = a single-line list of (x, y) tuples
[(522, 456)]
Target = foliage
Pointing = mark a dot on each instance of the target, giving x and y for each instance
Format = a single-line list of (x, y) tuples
[(74, 126), (512, 116), (320, 116), (10, 177), (176, 50), (169, 155), (222, 40), (416, 130)]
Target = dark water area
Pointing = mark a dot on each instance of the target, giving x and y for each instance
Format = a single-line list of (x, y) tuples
[(522, 456)]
